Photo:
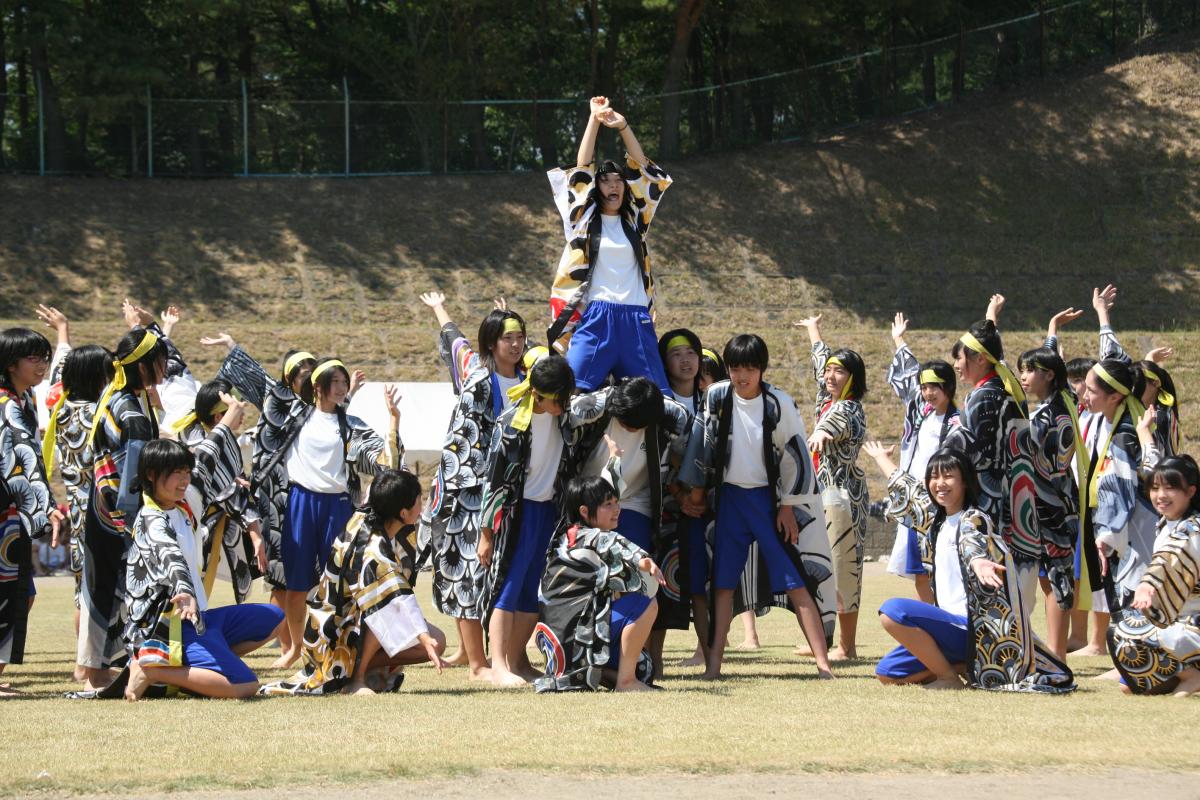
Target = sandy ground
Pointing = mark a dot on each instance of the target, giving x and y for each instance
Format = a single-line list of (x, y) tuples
[(1046, 785)]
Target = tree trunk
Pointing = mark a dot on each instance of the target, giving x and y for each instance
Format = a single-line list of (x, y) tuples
[(56, 131), (699, 104), (225, 145), (686, 18), (245, 65), (928, 76)]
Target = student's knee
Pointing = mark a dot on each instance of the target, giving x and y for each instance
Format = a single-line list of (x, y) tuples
[(243, 691), (888, 623)]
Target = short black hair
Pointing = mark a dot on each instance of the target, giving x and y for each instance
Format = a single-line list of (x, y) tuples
[(944, 371), (325, 379), (853, 363), (1046, 359), (86, 371), (490, 331), (162, 457), (950, 458), (746, 350), (133, 372), (208, 397), (18, 343), (1078, 368), (552, 376), (1164, 378), (612, 167), (693, 342), (1124, 373), (636, 402), (1177, 472), (393, 491), (712, 365), (588, 492), (290, 376), (985, 331)]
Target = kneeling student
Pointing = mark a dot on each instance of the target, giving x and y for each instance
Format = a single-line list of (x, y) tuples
[(597, 603), (364, 624), (174, 638)]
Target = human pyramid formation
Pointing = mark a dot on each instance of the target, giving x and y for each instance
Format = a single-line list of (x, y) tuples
[(593, 500)]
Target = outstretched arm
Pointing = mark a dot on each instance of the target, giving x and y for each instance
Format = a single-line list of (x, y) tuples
[(587, 145), (611, 119), (437, 302), (995, 306)]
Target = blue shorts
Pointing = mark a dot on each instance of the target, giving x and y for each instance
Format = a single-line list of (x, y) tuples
[(635, 527), (948, 630), (912, 563), (519, 591), (625, 611), (697, 544), (745, 516), (313, 521), (226, 628), (615, 339)]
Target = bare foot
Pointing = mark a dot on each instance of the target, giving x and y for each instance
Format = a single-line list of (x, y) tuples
[(633, 686), (507, 680), (695, 660), (944, 684), (1075, 644), (7, 690), (1087, 650), (711, 675), (1189, 684), (842, 654), (528, 673), (825, 675), (458, 659), (802, 650), (138, 682), (357, 688), (749, 644), (79, 674), (286, 660), (481, 674), (1111, 675)]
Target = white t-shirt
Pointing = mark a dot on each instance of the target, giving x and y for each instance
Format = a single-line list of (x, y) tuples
[(636, 496), (193, 551), (505, 384), (317, 458), (545, 453), (616, 278), (947, 573), (928, 439), (746, 468)]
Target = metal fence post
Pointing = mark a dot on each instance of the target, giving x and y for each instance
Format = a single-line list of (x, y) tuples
[(245, 131), (346, 102), (41, 127), (149, 135)]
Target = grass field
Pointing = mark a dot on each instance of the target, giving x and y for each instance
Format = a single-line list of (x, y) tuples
[(769, 716)]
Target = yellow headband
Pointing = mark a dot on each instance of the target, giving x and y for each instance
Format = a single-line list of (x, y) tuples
[(512, 325), (1107, 377), (710, 354), (523, 394), (849, 380), (148, 343), (190, 419), (1164, 397), (325, 366), (51, 433), (1011, 384), (929, 376), (677, 341), (294, 360)]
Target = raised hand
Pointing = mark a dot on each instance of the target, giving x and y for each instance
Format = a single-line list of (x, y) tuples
[(170, 318), (220, 339), (135, 315), (995, 306), (1062, 318), (597, 105), (433, 299), (53, 318), (611, 119), (500, 303), (357, 380), (1103, 299), (613, 450), (392, 393), (1160, 354), (899, 328), (235, 413)]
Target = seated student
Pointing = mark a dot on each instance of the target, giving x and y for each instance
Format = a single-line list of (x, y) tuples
[(977, 624), (597, 597), (174, 638), (751, 448), (364, 624)]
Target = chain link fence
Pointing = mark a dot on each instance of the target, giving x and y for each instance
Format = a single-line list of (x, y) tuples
[(270, 129)]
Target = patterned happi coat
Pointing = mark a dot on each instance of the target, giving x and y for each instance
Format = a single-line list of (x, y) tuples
[(1006, 654), (1053, 438), (225, 506), (994, 434), (581, 220), (1168, 437), (25, 506), (156, 572), (904, 376), (283, 415), (837, 468), (672, 549), (74, 459), (113, 506), (450, 521), (1151, 649), (585, 567), (793, 481), (367, 584)]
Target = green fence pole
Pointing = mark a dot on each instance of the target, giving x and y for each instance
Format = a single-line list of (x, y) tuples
[(149, 135), (346, 116), (41, 127), (245, 131)]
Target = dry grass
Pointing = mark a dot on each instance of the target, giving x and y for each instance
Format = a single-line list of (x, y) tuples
[(770, 716)]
